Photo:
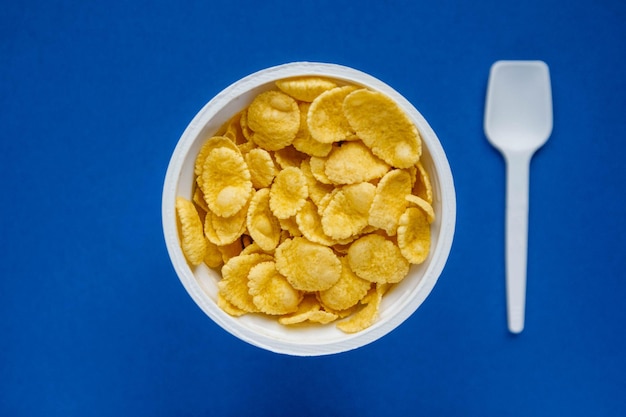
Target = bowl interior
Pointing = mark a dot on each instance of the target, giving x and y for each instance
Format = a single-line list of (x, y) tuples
[(201, 282)]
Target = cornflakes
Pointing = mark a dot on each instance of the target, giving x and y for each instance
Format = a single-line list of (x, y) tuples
[(274, 119), (308, 266), (270, 291), (353, 163), (313, 201), (226, 181), (382, 125), (305, 88), (288, 193), (193, 241), (414, 235), (377, 259), (326, 119)]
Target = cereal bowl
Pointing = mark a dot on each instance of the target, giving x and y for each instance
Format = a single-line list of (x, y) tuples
[(201, 282)]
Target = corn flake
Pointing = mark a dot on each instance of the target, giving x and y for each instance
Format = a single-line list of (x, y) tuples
[(318, 169), (305, 88), (422, 204), (347, 291), (261, 166), (308, 266), (347, 213), (234, 283), (212, 143), (243, 124), (317, 190), (213, 257), (274, 119), (226, 181), (290, 225), (199, 200), (353, 162), (289, 157), (229, 307), (365, 317), (223, 231), (270, 291), (303, 140), (414, 235), (309, 224), (389, 202), (382, 125), (423, 187), (326, 120), (192, 238), (288, 193), (231, 250), (376, 259), (263, 226), (234, 131), (309, 310)]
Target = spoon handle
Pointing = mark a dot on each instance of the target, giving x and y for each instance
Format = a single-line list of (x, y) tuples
[(516, 237)]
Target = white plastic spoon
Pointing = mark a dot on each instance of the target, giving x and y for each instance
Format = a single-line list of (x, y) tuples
[(518, 121)]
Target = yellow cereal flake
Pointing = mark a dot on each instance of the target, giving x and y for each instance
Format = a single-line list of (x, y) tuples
[(271, 292), (263, 226), (192, 240), (389, 202), (231, 250), (318, 169), (308, 266), (246, 147), (347, 213), (226, 181), (212, 143), (234, 131), (347, 291), (377, 259), (305, 88), (303, 140), (326, 120), (243, 124), (252, 248), (199, 200), (229, 307), (223, 231), (234, 283), (274, 117), (382, 125), (365, 317), (353, 162), (423, 187), (213, 257), (290, 225), (325, 200), (422, 204), (288, 193), (321, 316), (261, 166), (309, 224), (317, 190), (414, 235), (289, 157), (310, 311)]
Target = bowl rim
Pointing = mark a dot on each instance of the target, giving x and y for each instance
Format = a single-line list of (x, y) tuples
[(254, 336)]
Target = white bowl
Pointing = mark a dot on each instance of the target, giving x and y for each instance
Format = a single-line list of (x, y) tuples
[(201, 282)]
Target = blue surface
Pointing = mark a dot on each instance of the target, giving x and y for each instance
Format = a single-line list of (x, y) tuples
[(93, 320)]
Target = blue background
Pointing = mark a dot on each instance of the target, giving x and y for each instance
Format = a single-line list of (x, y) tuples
[(93, 320)]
